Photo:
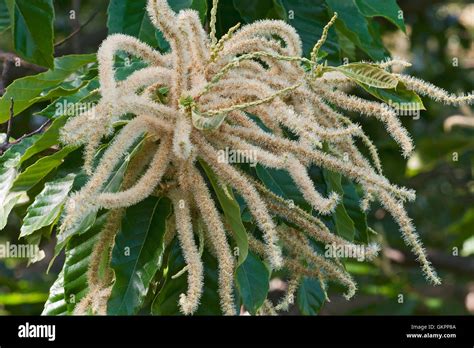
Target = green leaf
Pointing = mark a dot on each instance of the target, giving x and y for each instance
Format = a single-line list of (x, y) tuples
[(56, 303), (351, 201), (65, 106), (9, 167), (231, 209), (368, 74), (166, 302), (354, 25), (280, 183), (310, 296), (252, 280), (138, 254), (49, 138), (177, 5), (251, 10), (4, 16), (78, 254), (37, 171), (130, 17), (33, 31), (388, 9), (344, 224), (29, 90), (399, 97), (47, 205), (309, 21)]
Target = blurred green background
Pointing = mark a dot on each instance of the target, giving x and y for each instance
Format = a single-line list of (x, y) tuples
[(439, 43)]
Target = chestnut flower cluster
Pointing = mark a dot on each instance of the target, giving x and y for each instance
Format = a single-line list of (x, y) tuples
[(214, 85)]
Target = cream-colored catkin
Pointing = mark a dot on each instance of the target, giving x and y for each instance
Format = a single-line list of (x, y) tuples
[(254, 201), (144, 186), (290, 294), (299, 246), (435, 93), (319, 158), (215, 228), (293, 166), (253, 75), (381, 111), (411, 238), (188, 302)]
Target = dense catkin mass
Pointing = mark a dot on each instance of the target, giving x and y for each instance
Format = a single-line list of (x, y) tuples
[(213, 87)]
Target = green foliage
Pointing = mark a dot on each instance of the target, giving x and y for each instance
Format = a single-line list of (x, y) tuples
[(29, 174), (252, 281), (281, 184), (231, 211), (56, 303), (9, 166), (166, 302), (32, 29), (78, 255), (344, 225), (130, 17), (310, 296), (138, 254), (64, 79), (47, 206), (4, 16), (397, 96)]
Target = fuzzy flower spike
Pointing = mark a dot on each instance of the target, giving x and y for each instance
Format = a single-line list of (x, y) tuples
[(213, 86)]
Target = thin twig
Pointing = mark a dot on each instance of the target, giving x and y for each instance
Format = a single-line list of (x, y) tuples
[(7, 143), (36, 131), (75, 32)]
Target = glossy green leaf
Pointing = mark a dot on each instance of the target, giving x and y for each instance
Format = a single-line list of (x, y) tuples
[(231, 209), (280, 183), (399, 98), (56, 303), (38, 170), (29, 90), (352, 23), (251, 10), (9, 168), (130, 17), (47, 205), (66, 106), (78, 255), (252, 281), (344, 224), (138, 254), (49, 138), (310, 296), (166, 302), (309, 21), (351, 201), (33, 32), (388, 9)]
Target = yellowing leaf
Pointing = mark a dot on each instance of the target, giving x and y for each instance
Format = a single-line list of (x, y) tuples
[(368, 74)]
